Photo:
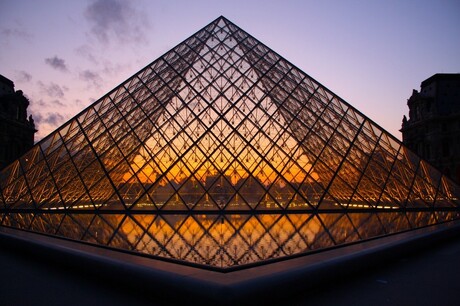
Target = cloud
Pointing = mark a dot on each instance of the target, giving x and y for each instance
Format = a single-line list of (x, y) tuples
[(57, 103), (53, 118), (57, 63), (92, 78), (52, 90), (116, 18), (51, 104), (78, 102), (8, 33), (87, 52), (23, 76), (40, 103), (37, 118)]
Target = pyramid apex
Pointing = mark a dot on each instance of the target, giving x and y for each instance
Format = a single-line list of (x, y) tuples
[(221, 17)]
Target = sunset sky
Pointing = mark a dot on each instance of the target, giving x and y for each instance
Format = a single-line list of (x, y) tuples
[(64, 55)]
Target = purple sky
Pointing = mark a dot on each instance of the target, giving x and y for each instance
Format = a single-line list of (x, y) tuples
[(65, 55)]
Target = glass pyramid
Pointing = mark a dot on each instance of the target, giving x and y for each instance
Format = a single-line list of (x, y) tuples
[(222, 153)]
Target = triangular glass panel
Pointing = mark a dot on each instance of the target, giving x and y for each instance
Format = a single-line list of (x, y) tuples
[(340, 228), (395, 222), (69, 228), (317, 234), (368, 225), (46, 223)]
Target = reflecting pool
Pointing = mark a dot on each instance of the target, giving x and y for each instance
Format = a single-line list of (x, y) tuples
[(224, 240)]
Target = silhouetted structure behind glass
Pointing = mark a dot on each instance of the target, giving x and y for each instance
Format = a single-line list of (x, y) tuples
[(16, 130), (433, 127)]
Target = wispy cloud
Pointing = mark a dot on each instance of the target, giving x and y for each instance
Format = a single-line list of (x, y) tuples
[(52, 90), (40, 103), (23, 76), (57, 63), (16, 32), (48, 104), (115, 18), (57, 103), (87, 52), (92, 78), (52, 118), (78, 102)]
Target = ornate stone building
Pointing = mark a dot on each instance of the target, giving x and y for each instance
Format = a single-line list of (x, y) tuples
[(433, 127), (16, 130)]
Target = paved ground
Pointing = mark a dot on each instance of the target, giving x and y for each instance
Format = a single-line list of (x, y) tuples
[(431, 277), (428, 278)]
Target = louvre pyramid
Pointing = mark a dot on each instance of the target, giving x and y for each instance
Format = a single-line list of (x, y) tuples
[(219, 125)]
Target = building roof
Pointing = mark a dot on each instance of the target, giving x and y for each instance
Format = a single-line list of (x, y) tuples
[(441, 77), (6, 81)]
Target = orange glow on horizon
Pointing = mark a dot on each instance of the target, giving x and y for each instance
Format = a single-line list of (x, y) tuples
[(230, 163)]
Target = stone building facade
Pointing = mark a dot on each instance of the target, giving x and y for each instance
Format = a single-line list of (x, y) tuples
[(433, 127), (16, 129)]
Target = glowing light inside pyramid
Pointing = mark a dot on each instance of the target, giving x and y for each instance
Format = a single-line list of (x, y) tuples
[(222, 127)]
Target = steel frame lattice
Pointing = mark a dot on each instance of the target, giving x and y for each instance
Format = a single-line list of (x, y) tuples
[(222, 153)]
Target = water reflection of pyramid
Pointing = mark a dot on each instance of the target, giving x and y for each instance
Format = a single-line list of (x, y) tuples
[(220, 123)]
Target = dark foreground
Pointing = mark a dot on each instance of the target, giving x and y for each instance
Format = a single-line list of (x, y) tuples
[(426, 277)]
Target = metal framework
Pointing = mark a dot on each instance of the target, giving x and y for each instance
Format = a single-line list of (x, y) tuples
[(222, 153)]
